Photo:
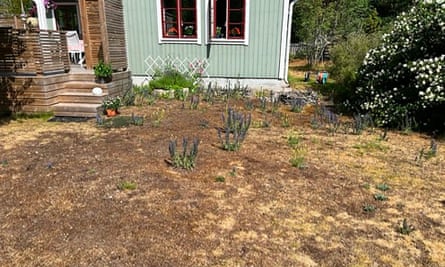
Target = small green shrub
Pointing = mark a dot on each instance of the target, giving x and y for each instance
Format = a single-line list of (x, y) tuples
[(380, 197), (293, 140), (157, 116), (298, 159), (126, 185), (172, 79), (220, 179), (369, 208), (382, 187), (119, 121), (405, 228)]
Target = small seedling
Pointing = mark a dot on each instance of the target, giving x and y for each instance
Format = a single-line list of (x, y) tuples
[(233, 172), (220, 179), (405, 228), (368, 208), (285, 120), (126, 185), (293, 141), (298, 160), (382, 187), (157, 117), (380, 197), (366, 186), (4, 163)]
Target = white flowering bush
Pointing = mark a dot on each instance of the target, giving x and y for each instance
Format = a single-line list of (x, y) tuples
[(405, 75)]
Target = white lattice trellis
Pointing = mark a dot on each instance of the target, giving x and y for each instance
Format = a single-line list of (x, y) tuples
[(194, 66)]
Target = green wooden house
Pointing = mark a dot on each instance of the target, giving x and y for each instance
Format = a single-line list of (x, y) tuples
[(224, 40)]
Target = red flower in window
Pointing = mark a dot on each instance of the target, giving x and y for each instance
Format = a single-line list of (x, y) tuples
[(172, 31), (235, 31)]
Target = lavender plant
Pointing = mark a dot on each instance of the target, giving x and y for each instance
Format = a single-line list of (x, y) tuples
[(185, 159), (235, 128)]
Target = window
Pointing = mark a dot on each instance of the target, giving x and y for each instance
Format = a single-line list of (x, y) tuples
[(179, 19), (228, 20)]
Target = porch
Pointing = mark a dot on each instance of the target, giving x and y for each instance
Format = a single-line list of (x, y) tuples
[(37, 74)]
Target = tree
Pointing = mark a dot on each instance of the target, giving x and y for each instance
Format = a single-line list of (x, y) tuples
[(14, 6), (319, 23), (403, 79)]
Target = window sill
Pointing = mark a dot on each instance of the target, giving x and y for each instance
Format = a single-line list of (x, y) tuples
[(228, 41), (179, 41)]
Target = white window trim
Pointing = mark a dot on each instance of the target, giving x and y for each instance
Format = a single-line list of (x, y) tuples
[(209, 27), (163, 40)]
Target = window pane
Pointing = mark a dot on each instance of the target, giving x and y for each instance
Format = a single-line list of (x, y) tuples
[(236, 4), (188, 3), (171, 15), (236, 17), (169, 3), (188, 16)]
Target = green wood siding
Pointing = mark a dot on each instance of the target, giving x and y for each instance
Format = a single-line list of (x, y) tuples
[(259, 59)]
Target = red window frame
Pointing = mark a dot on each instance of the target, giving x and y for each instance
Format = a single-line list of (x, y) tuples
[(179, 29), (233, 30)]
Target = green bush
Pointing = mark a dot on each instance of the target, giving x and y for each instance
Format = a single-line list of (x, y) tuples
[(170, 78), (347, 56), (404, 77)]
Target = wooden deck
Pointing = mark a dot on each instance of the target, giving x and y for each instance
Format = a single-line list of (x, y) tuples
[(67, 94), (36, 76)]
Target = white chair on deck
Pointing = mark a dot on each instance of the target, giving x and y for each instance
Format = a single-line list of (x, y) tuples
[(75, 47)]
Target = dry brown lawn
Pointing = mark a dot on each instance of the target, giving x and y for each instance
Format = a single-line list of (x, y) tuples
[(61, 204)]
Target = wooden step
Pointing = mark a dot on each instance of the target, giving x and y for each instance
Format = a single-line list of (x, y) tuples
[(78, 97), (76, 110)]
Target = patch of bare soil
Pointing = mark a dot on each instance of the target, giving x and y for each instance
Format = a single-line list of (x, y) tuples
[(61, 204)]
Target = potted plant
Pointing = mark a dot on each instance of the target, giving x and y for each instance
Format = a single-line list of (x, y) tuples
[(103, 72), (111, 105)]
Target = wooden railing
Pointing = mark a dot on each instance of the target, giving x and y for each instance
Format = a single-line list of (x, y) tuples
[(33, 52)]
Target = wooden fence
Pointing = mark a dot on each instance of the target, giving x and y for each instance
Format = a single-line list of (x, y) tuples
[(33, 52)]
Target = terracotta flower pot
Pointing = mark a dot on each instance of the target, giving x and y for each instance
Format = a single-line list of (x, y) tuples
[(111, 112)]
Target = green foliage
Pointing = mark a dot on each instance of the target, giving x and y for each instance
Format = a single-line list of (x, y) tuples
[(4, 163), (298, 159), (285, 120), (14, 6), (380, 197), (157, 116), (172, 79), (403, 77), (293, 140), (405, 228), (382, 187), (319, 23), (120, 121), (369, 208), (139, 95), (185, 159), (220, 179), (126, 185), (102, 70), (372, 145), (347, 56), (39, 115), (110, 102)]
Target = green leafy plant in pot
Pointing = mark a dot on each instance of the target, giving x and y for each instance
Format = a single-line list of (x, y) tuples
[(103, 72), (110, 105)]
